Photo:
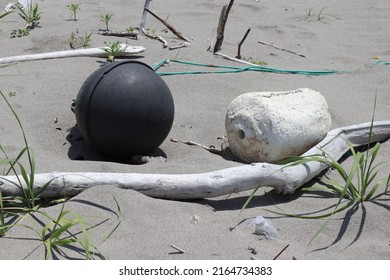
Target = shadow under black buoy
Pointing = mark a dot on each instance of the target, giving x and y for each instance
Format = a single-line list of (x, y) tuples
[(81, 150)]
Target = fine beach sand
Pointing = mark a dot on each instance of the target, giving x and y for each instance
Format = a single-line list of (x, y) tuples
[(350, 36)]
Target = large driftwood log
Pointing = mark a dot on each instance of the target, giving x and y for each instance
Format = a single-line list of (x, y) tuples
[(202, 185), (126, 50)]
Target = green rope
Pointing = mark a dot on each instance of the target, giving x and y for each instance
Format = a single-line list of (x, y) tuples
[(382, 62), (233, 69)]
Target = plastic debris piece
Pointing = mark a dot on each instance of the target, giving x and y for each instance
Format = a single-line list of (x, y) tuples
[(264, 227)]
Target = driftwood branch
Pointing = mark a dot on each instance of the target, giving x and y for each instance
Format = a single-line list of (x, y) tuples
[(240, 44), (235, 59), (210, 149), (132, 35), (220, 31), (183, 45), (167, 25), (221, 26), (126, 50), (211, 184), (144, 14), (158, 38), (281, 49)]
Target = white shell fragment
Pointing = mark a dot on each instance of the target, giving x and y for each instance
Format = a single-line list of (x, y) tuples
[(12, 6), (272, 126)]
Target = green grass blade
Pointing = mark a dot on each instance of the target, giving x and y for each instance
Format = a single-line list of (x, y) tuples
[(314, 217), (44, 187), (250, 198), (5, 14), (318, 232), (372, 191), (45, 230), (24, 174), (119, 215), (314, 189), (13, 162), (354, 169), (31, 156), (5, 161), (29, 195), (342, 191), (85, 244), (371, 127), (62, 214), (297, 160), (63, 226), (337, 166), (336, 210), (2, 216), (370, 179), (370, 168), (53, 222), (31, 161), (65, 242), (48, 249)]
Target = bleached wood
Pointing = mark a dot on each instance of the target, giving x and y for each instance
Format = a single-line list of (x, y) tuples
[(235, 59), (144, 14), (132, 35), (182, 45), (210, 184), (154, 37), (126, 50)]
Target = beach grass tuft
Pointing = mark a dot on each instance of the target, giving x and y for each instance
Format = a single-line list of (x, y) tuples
[(56, 232), (74, 8), (31, 15), (106, 19), (359, 184)]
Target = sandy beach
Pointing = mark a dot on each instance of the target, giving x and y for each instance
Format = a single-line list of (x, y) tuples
[(349, 37)]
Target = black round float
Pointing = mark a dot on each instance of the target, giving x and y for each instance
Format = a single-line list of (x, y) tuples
[(124, 109)]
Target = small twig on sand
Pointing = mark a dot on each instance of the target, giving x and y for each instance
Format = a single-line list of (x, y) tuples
[(159, 38), (182, 45), (167, 25), (210, 149), (181, 251), (281, 252), (246, 219), (163, 41), (234, 59), (119, 34), (242, 41), (282, 49), (221, 26)]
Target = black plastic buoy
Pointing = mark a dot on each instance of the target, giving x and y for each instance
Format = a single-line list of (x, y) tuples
[(124, 109)]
